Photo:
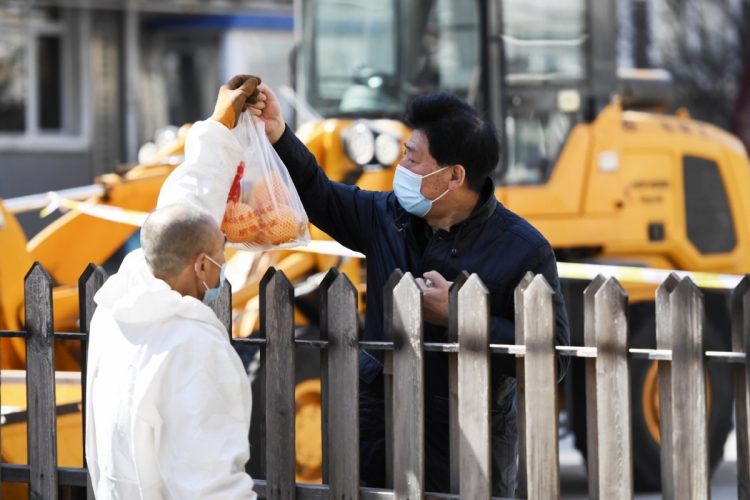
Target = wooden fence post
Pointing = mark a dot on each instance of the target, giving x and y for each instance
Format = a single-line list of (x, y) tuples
[(340, 328), (741, 343), (540, 378), (609, 436), (454, 429), (277, 325), (518, 298), (474, 389), (91, 280), (405, 318), (40, 385), (325, 284), (390, 285), (664, 341), (683, 418), (589, 340), (222, 306)]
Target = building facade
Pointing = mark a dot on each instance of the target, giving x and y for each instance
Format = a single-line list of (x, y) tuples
[(84, 84)]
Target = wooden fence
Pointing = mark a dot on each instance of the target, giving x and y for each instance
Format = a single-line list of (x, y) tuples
[(679, 350)]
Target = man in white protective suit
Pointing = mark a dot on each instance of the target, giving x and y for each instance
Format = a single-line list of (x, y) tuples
[(168, 399)]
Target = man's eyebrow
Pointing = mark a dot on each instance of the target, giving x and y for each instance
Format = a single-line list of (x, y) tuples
[(408, 147)]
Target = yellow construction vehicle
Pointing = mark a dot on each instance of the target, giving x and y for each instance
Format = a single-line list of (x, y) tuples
[(605, 183), (606, 179)]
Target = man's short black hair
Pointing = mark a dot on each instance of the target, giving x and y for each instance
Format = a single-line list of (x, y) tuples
[(456, 134)]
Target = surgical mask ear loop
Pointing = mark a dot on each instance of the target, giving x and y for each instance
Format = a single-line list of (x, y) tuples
[(213, 293), (444, 192)]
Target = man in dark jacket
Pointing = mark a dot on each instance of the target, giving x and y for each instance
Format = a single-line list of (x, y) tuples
[(441, 218)]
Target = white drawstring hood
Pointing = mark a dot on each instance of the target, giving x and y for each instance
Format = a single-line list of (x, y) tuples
[(167, 397)]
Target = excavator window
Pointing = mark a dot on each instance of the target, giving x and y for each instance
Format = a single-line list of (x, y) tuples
[(709, 220), (367, 58), (533, 141), (544, 41)]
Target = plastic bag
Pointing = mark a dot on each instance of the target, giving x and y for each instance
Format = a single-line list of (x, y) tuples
[(263, 208)]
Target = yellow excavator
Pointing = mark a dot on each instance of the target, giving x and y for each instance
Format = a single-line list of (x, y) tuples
[(591, 158), (607, 181), (646, 176)]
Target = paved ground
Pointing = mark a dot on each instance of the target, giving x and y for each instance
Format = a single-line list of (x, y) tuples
[(573, 473)]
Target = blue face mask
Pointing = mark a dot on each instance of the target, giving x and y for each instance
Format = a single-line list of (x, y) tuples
[(408, 189), (213, 293)]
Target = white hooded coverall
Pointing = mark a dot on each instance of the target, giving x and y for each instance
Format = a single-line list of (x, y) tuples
[(168, 400)]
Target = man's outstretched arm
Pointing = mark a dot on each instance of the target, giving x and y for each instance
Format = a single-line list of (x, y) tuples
[(345, 212)]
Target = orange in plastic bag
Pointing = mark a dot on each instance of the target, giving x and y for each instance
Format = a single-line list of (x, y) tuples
[(241, 223), (281, 225), (266, 192), (263, 208)]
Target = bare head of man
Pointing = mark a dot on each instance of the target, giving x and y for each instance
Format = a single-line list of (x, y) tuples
[(184, 247)]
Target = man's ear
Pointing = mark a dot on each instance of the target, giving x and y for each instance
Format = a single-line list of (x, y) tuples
[(199, 265), (458, 176)]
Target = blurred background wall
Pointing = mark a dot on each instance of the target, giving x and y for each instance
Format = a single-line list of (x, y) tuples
[(84, 84)]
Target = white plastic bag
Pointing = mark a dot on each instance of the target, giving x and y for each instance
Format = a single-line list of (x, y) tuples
[(263, 208)]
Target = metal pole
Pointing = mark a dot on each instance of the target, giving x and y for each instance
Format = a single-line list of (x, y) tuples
[(131, 78)]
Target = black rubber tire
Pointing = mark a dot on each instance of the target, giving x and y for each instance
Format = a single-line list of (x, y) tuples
[(646, 451)]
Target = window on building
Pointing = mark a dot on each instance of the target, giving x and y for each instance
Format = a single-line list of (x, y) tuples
[(709, 220), (39, 73)]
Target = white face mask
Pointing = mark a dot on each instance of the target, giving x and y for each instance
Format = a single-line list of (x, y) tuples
[(408, 189), (213, 293)]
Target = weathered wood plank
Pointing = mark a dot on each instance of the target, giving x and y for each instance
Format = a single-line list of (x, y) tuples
[(540, 374), (664, 341), (222, 306), (393, 280), (474, 390), (40, 384), (328, 279), (342, 390), (405, 319), (689, 433), (256, 466), (741, 343), (518, 298), (454, 430), (589, 340), (91, 280), (277, 324), (612, 374)]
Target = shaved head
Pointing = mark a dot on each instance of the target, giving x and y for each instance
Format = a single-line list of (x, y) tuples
[(173, 236)]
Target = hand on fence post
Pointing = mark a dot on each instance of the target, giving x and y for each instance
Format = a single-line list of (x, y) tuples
[(435, 289)]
